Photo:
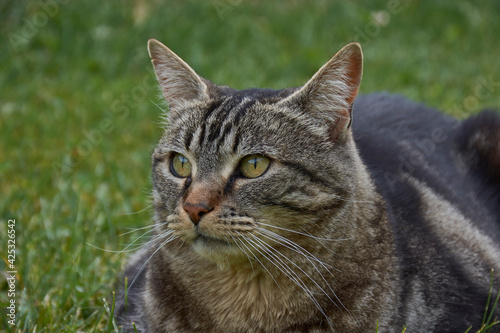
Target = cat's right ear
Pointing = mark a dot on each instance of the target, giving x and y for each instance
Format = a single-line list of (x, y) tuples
[(179, 83), (329, 95)]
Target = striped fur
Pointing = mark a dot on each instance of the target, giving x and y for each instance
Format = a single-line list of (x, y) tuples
[(333, 237)]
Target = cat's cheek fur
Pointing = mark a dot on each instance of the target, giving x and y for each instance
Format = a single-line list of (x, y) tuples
[(181, 226)]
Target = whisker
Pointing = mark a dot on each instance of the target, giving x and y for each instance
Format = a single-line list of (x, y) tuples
[(242, 250), (169, 239), (295, 247), (306, 289), (253, 254), (148, 242), (318, 239), (292, 246), (300, 250), (326, 247), (126, 248), (142, 228), (158, 238), (104, 250), (285, 269), (159, 107), (303, 234), (179, 243), (138, 212)]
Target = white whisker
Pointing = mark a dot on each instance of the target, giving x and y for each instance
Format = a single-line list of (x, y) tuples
[(301, 233), (127, 247), (306, 254), (293, 246), (151, 241), (169, 239), (253, 254), (291, 274), (242, 250), (137, 229), (138, 212)]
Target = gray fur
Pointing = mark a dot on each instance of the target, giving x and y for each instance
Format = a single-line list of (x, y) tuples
[(317, 243)]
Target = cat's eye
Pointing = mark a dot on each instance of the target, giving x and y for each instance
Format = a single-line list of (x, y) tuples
[(180, 166), (254, 166)]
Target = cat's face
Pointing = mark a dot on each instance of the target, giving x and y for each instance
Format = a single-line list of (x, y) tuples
[(238, 171)]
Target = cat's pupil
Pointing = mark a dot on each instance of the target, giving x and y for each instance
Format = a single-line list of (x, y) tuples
[(255, 163)]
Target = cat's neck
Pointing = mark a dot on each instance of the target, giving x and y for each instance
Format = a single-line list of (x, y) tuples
[(250, 295)]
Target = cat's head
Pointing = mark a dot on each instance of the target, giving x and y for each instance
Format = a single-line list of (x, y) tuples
[(236, 171)]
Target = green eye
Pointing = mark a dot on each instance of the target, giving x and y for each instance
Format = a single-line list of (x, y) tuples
[(180, 166), (254, 166)]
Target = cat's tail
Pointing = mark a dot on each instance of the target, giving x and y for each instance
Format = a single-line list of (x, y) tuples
[(480, 141)]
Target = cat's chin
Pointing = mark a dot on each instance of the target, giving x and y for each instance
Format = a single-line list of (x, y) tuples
[(204, 243), (217, 250)]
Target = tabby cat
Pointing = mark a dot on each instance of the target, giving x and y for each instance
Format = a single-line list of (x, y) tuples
[(276, 211)]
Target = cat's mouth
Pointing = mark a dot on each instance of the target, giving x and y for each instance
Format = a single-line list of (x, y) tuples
[(208, 241)]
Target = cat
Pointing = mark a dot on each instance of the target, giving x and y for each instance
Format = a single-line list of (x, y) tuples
[(311, 209)]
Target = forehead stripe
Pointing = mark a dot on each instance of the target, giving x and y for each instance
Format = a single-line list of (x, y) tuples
[(238, 113), (190, 133), (217, 119), (215, 106)]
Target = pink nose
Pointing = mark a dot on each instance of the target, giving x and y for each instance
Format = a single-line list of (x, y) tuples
[(196, 211)]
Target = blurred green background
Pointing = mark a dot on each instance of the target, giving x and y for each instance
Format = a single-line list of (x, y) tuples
[(79, 114)]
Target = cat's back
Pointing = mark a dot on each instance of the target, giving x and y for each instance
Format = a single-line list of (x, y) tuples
[(440, 179), (402, 141)]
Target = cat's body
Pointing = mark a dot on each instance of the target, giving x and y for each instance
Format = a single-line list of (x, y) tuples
[(396, 221)]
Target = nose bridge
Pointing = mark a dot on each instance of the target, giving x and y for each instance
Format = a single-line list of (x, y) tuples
[(203, 192), (202, 197)]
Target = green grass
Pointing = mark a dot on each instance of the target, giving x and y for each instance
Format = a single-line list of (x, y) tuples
[(78, 117)]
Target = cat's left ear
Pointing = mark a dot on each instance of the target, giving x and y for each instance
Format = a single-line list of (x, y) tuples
[(179, 82), (329, 95)]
